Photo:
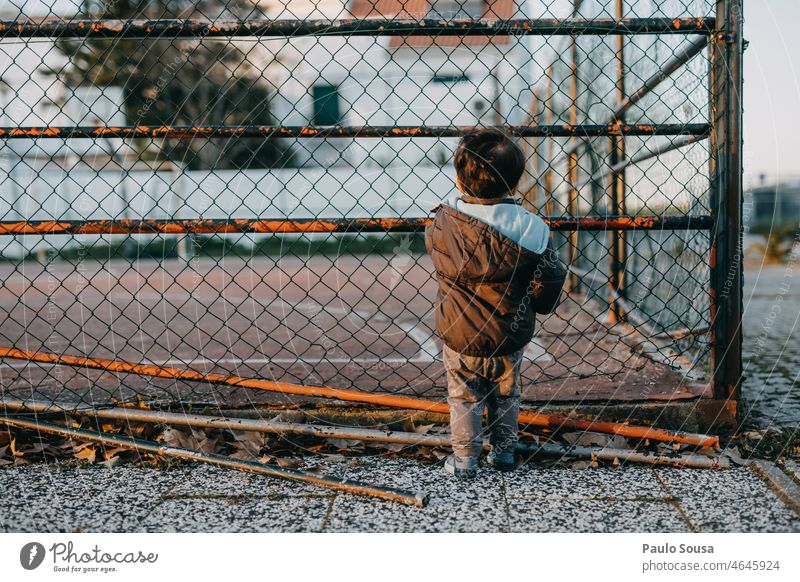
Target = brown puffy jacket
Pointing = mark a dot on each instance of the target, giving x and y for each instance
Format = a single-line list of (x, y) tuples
[(490, 287)]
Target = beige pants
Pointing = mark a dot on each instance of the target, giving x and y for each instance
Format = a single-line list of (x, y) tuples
[(473, 382)]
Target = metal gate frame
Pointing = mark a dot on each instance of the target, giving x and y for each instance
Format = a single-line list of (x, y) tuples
[(724, 131)]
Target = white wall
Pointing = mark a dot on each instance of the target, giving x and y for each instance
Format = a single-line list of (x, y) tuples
[(282, 193)]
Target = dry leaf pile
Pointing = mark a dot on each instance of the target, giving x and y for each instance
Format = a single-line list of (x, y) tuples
[(22, 447)]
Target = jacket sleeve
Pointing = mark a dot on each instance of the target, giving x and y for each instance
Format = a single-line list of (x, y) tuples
[(548, 281), (429, 231)]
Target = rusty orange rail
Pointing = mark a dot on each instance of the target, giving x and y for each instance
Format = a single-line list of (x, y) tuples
[(531, 418), (327, 225), (337, 131)]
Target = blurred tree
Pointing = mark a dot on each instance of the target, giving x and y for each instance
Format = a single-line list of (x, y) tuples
[(195, 81), (780, 240)]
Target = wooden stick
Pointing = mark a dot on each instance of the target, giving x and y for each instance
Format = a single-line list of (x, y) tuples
[(388, 493), (370, 435)]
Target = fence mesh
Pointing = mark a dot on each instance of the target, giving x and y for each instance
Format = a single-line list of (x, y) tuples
[(241, 188)]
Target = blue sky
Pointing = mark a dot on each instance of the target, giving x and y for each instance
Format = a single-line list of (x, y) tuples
[(772, 89)]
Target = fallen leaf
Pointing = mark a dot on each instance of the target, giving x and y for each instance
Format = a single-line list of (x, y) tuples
[(87, 454), (289, 462), (393, 447), (587, 439), (346, 444), (423, 428), (335, 458), (109, 453), (250, 442), (733, 454), (111, 462)]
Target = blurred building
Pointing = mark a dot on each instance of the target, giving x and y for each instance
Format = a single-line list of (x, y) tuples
[(773, 204), (393, 80)]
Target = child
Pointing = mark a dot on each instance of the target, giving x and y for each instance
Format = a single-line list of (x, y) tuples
[(495, 268)]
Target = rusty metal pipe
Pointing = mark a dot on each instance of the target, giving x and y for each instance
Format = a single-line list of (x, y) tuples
[(391, 494), (692, 461), (326, 225), (533, 418), (228, 28), (363, 434), (338, 131), (617, 186)]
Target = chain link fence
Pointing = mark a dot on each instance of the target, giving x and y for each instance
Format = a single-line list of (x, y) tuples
[(206, 190)]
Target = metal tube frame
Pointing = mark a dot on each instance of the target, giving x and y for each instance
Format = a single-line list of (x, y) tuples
[(337, 131), (726, 202), (331, 225), (556, 450), (176, 28), (618, 256), (551, 421)]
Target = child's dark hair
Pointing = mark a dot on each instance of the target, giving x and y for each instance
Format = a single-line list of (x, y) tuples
[(488, 164)]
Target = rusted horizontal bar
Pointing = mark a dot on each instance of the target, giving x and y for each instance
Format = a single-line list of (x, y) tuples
[(366, 131), (216, 226), (362, 434), (330, 225), (533, 418), (199, 29), (131, 443)]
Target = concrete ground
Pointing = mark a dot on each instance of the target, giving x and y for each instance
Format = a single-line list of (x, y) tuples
[(200, 498)]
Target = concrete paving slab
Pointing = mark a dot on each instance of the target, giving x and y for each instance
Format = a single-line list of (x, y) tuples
[(238, 514), (54, 498), (209, 480), (631, 482), (462, 506), (592, 515), (58, 498), (734, 500)]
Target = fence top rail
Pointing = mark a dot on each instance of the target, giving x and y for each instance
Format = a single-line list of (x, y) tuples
[(329, 225), (198, 29), (337, 131)]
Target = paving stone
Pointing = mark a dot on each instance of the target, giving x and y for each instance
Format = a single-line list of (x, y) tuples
[(591, 515), (242, 514), (56, 498), (628, 483), (455, 505), (735, 500), (210, 480)]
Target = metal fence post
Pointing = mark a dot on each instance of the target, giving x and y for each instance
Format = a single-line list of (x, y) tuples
[(549, 114), (619, 239), (726, 201), (572, 158)]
